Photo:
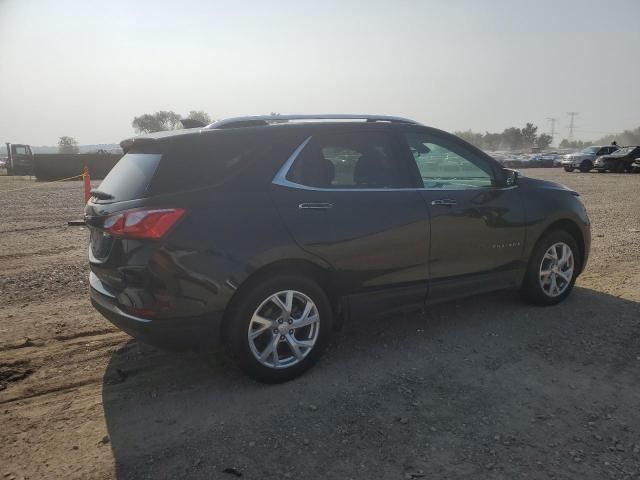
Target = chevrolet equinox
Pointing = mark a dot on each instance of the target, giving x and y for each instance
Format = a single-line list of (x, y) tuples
[(261, 233)]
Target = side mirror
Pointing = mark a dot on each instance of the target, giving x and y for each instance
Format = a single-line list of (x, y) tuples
[(510, 177)]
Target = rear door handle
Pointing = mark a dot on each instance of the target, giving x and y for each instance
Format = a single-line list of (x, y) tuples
[(315, 206), (444, 201)]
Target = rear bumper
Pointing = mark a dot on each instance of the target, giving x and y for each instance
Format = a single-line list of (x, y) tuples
[(182, 332)]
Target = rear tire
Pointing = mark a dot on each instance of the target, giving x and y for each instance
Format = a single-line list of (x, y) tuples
[(545, 289), (262, 335)]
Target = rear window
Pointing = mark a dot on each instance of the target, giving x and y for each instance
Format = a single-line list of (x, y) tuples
[(189, 165), (131, 176), (184, 164)]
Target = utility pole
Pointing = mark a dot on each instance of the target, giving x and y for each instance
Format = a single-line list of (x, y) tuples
[(553, 127), (571, 124)]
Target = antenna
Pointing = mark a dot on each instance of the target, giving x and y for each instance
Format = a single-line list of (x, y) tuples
[(571, 124)]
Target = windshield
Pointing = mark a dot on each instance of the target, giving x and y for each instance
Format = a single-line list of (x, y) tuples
[(590, 150)]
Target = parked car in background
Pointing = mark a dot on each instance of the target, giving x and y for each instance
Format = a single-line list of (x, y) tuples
[(619, 161), (585, 159), (260, 233), (544, 159), (19, 159)]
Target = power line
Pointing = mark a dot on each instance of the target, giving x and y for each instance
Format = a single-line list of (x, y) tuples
[(571, 124)]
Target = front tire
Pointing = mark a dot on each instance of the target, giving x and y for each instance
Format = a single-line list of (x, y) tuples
[(586, 166), (568, 169), (279, 328), (553, 269)]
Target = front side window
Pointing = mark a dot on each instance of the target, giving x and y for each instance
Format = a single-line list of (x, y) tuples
[(444, 165), (349, 160)]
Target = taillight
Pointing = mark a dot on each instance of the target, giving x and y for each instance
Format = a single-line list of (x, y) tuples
[(143, 223)]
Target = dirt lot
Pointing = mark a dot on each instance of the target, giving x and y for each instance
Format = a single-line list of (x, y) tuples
[(487, 387)]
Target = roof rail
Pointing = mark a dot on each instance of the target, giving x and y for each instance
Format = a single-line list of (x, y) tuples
[(258, 120)]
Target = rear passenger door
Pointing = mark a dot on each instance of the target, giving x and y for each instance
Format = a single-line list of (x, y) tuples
[(347, 196)]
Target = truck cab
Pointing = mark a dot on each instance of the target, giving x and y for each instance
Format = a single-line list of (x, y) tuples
[(19, 159)]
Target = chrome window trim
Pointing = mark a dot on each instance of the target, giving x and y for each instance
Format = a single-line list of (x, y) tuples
[(281, 179), (281, 176)]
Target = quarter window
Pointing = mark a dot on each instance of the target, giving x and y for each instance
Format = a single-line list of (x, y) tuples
[(445, 165), (349, 160)]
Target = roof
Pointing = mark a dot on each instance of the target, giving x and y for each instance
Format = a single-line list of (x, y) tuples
[(281, 121), (257, 120)]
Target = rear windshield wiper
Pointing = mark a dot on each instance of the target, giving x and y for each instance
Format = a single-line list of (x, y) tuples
[(100, 195)]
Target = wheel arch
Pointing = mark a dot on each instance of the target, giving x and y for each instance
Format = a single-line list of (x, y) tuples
[(298, 266), (573, 229)]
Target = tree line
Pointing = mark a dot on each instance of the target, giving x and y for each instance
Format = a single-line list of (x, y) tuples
[(512, 138), (628, 137), (166, 120)]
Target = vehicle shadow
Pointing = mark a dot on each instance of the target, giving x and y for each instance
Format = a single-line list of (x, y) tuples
[(186, 415)]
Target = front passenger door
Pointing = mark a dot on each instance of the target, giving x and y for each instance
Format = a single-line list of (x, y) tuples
[(477, 227)]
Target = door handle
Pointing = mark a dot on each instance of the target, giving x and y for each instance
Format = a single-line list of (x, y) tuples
[(444, 201), (315, 206)]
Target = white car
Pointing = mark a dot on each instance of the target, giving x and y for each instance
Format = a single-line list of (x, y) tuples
[(585, 159)]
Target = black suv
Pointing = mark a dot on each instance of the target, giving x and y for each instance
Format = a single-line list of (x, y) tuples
[(261, 233), (619, 161)]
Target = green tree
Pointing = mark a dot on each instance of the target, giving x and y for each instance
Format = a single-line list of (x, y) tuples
[(157, 122), (512, 138), (472, 137), (544, 140), (576, 144), (68, 145), (200, 116), (492, 141), (529, 135)]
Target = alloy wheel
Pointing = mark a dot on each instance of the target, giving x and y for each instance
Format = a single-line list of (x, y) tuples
[(556, 269), (284, 329)]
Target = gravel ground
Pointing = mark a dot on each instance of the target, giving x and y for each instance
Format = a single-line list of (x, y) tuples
[(486, 387)]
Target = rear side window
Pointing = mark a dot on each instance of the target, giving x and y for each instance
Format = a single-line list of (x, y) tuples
[(196, 164), (130, 177), (350, 160), (182, 164)]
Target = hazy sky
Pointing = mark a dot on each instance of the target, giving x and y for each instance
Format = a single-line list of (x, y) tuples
[(86, 68)]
